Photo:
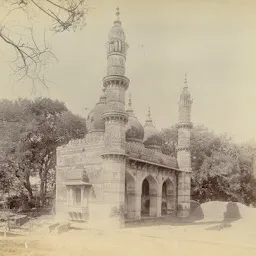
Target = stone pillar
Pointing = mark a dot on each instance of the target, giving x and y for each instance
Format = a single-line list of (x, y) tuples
[(131, 205), (110, 214), (137, 198), (159, 201), (82, 196), (153, 204), (71, 196), (183, 152), (130, 199), (183, 194)]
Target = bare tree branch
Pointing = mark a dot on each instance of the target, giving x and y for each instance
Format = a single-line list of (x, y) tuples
[(31, 59)]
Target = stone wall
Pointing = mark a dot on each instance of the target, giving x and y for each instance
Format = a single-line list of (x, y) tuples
[(137, 150), (77, 158)]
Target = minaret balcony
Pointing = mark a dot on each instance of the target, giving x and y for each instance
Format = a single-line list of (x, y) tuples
[(117, 115), (184, 125), (183, 148), (115, 80)]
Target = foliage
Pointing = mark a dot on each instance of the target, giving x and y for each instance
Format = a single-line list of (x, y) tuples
[(32, 130), (221, 169), (18, 32)]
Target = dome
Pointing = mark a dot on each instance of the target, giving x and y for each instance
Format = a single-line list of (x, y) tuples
[(116, 32), (152, 137), (94, 120), (134, 129)]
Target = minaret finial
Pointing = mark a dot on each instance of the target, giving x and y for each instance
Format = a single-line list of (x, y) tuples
[(149, 113), (130, 100), (117, 13), (186, 80)]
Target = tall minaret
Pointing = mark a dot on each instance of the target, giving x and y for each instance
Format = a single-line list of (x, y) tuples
[(183, 151), (115, 118)]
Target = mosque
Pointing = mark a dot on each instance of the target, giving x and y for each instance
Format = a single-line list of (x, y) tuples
[(118, 171)]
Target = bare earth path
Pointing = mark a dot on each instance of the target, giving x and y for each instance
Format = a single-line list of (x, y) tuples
[(154, 240)]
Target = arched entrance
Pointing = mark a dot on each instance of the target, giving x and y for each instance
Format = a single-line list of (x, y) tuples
[(168, 198), (129, 195), (149, 197)]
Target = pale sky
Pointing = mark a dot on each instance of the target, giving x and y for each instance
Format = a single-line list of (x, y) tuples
[(213, 41)]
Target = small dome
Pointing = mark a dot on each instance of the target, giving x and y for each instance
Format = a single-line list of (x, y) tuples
[(152, 137), (94, 120), (116, 32), (134, 129)]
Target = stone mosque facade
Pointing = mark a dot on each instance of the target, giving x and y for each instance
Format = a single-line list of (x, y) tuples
[(118, 171)]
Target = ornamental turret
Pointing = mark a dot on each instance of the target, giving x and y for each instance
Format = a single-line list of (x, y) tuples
[(152, 138), (115, 85), (183, 152), (134, 129), (115, 117), (184, 129)]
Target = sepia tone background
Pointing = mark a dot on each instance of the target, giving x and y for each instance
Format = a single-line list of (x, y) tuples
[(214, 41)]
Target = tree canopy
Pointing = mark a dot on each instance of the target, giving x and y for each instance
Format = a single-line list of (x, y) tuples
[(31, 131), (221, 169)]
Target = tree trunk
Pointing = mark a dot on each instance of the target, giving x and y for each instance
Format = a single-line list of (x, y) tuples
[(30, 192), (43, 183), (27, 186), (26, 183), (42, 193)]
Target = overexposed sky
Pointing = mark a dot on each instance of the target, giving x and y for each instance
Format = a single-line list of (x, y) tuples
[(213, 41)]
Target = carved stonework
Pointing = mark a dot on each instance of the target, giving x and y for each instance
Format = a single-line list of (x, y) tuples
[(113, 157), (137, 150), (94, 137), (116, 81), (114, 135)]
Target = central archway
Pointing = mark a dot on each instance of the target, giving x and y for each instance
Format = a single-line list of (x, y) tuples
[(149, 197)]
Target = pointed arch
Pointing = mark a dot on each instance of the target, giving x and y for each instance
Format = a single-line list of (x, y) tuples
[(168, 197), (149, 196)]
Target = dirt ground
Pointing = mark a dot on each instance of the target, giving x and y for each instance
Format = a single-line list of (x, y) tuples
[(164, 239)]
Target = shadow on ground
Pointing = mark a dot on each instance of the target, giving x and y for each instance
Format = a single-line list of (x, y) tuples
[(197, 217)]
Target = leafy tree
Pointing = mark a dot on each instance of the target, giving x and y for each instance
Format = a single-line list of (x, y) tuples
[(170, 140), (221, 170), (33, 54), (247, 167), (39, 127)]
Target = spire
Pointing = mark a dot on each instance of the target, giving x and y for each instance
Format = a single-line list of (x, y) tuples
[(185, 94), (117, 13), (149, 121), (117, 21), (149, 114), (186, 80)]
